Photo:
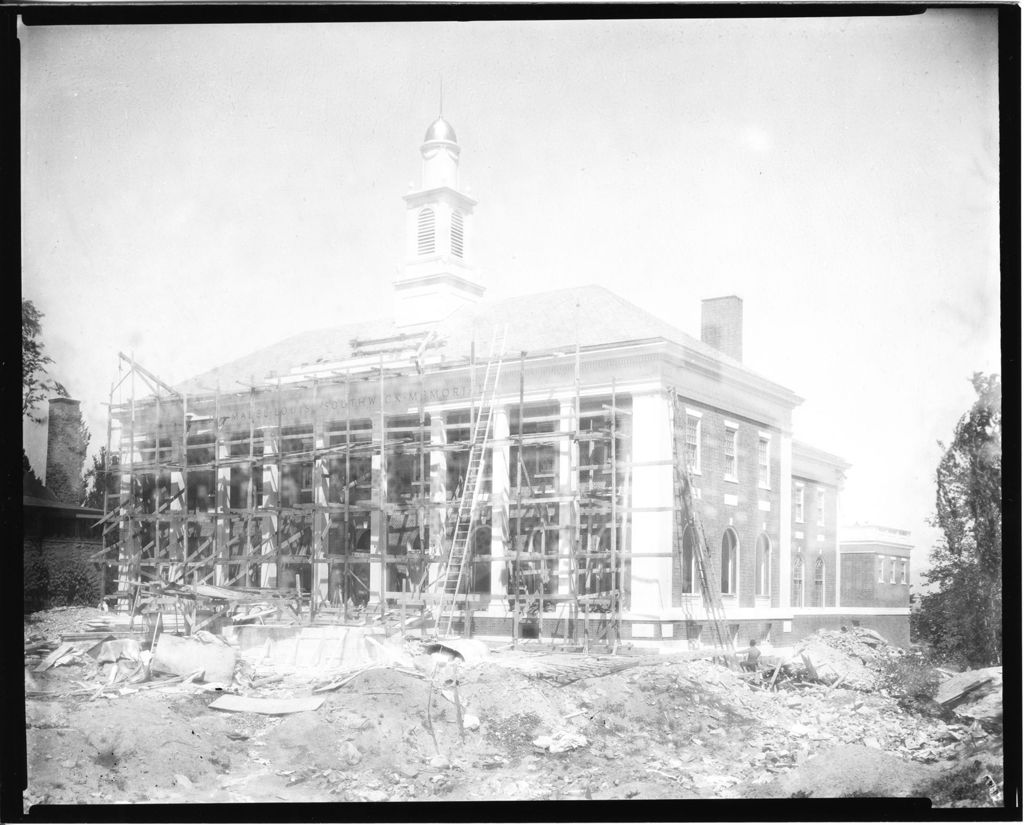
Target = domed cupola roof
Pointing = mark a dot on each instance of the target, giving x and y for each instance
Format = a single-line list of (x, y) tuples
[(440, 130)]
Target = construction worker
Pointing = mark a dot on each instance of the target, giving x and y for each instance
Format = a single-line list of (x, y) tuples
[(753, 656)]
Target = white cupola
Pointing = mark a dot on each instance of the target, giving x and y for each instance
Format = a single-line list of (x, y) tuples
[(438, 276)]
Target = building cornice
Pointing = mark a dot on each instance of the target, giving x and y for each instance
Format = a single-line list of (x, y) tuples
[(439, 193)]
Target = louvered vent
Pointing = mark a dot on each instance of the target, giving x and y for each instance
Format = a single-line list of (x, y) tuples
[(457, 234), (425, 232)]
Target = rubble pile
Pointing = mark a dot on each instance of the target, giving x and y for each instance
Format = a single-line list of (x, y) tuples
[(405, 720), (852, 658)]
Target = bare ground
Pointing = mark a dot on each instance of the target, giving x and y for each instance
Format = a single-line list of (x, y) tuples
[(664, 728)]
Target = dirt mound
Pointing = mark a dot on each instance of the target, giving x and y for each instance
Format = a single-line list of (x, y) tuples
[(853, 770), (559, 726)]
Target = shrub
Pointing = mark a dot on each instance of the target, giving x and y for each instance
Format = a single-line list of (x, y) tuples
[(37, 582), (74, 582), (60, 577), (911, 679), (962, 787)]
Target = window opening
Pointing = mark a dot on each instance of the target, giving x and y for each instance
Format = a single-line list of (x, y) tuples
[(425, 231)]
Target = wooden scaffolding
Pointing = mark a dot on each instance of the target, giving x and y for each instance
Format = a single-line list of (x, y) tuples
[(281, 509)]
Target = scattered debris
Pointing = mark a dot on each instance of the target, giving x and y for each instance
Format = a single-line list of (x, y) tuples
[(975, 694), (561, 741), (955, 690), (61, 652), (522, 724), (468, 650), (178, 655)]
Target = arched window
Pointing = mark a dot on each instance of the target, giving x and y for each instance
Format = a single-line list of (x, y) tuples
[(457, 234), (819, 582), (425, 231), (763, 566), (729, 543), (798, 581), (690, 574)]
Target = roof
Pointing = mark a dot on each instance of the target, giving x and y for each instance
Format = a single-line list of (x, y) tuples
[(538, 322), (814, 463), (875, 534), (440, 129), (32, 501)]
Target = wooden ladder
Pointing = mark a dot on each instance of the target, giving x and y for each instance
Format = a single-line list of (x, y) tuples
[(459, 553), (687, 516)]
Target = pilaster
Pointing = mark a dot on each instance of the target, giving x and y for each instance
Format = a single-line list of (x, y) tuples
[(567, 484), (438, 493), (499, 498), (651, 572), (378, 519), (786, 519), (222, 532), (321, 478), (271, 500)]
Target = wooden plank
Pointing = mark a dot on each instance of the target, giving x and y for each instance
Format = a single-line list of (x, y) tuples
[(268, 707), (61, 651), (956, 688)]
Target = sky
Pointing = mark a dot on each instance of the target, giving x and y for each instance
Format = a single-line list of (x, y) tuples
[(192, 193)]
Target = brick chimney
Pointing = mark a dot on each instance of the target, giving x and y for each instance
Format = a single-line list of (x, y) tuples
[(721, 325), (65, 451)]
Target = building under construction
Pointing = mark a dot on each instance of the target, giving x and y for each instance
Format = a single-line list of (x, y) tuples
[(562, 463)]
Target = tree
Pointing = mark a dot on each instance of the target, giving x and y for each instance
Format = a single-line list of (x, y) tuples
[(962, 619), (36, 384), (30, 483), (101, 479)]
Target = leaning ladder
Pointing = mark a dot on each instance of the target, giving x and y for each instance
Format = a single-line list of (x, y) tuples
[(687, 516), (458, 554)]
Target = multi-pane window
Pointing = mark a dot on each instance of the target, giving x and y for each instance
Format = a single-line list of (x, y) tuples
[(797, 596), (730, 452), (798, 502), (539, 469), (819, 582), (762, 462), (892, 571), (246, 488), (729, 543), (296, 465), (693, 443), (201, 485), (763, 566), (821, 507), (904, 564), (881, 569), (532, 473)]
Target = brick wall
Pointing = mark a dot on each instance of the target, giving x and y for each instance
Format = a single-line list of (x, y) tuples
[(65, 451), (862, 588), (745, 517), (895, 629), (809, 544), (858, 580)]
